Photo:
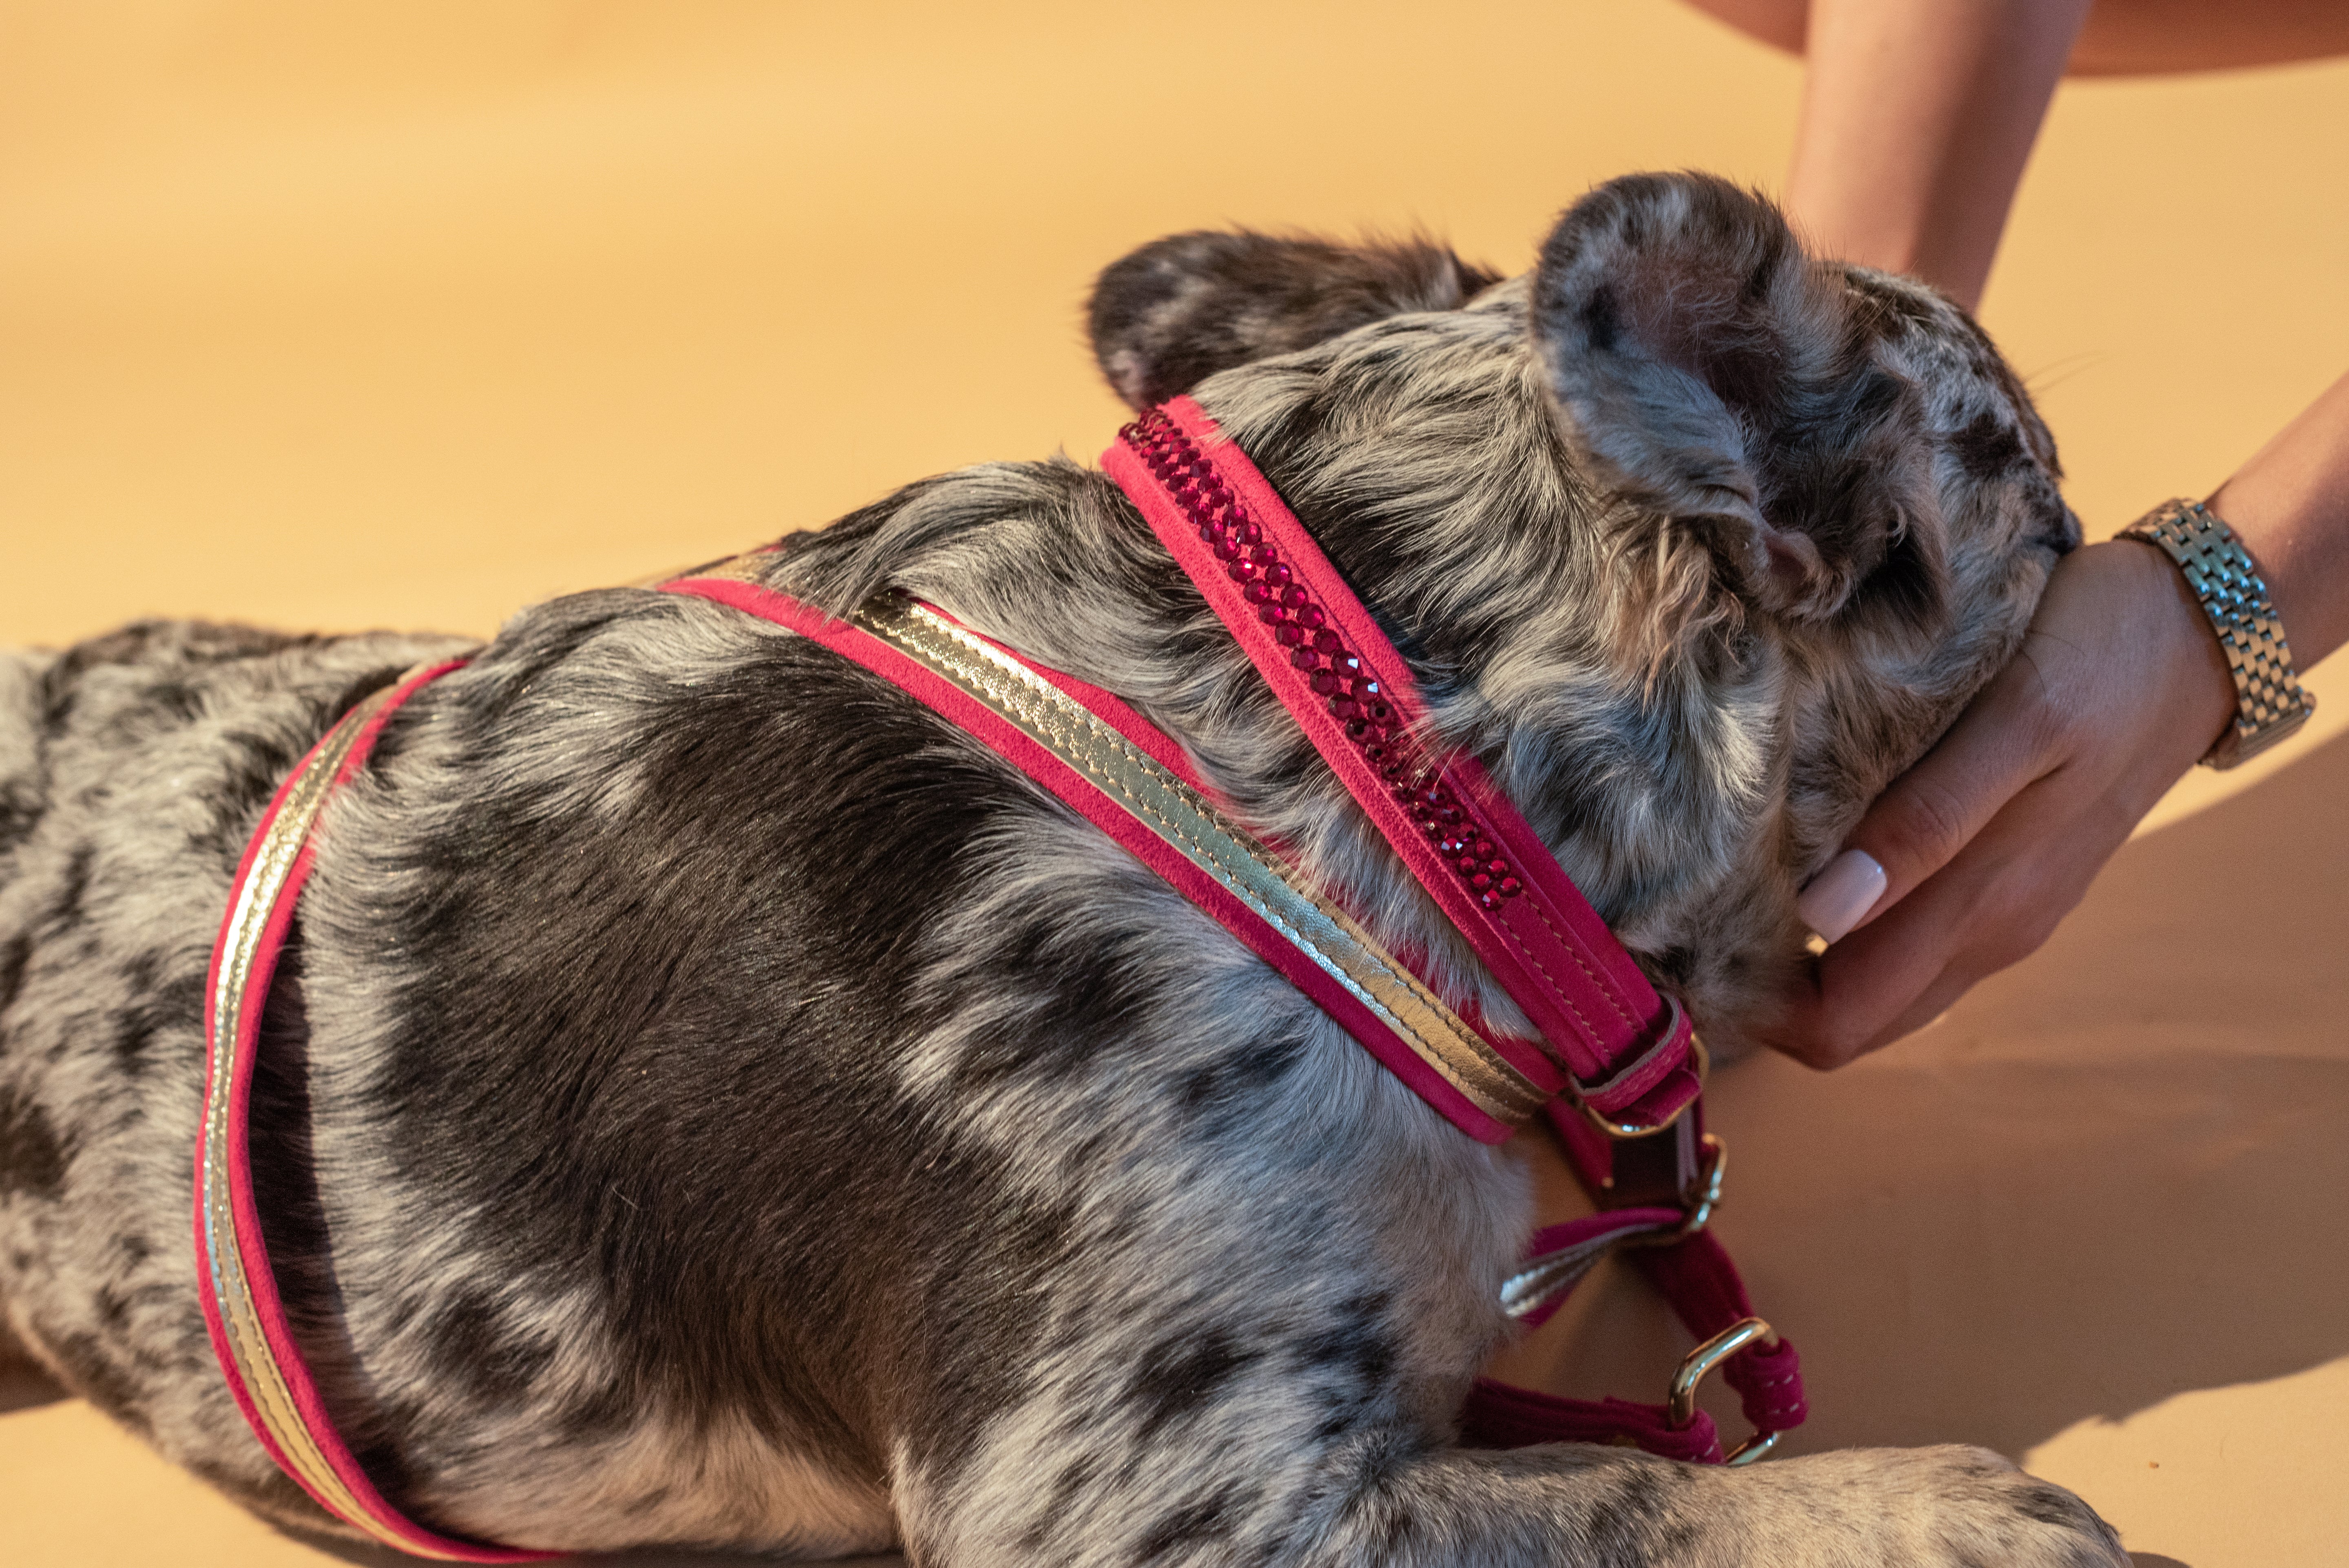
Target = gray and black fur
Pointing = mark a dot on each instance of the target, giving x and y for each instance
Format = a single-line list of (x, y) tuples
[(711, 1100)]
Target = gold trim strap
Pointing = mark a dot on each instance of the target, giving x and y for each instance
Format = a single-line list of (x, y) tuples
[(1191, 825), (278, 1395), (256, 900)]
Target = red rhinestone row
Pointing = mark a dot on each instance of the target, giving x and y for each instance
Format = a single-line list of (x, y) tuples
[(1334, 670)]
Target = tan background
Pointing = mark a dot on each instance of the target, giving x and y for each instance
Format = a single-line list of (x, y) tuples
[(406, 313)]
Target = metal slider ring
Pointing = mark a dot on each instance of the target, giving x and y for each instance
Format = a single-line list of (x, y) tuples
[(1630, 1130), (1697, 1209)]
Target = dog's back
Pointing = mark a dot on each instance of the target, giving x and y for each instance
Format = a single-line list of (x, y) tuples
[(132, 769)]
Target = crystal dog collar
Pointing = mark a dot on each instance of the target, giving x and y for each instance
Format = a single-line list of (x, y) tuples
[(1627, 1052)]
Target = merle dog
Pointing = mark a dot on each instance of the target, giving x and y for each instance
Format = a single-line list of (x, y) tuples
[(712, 1100)]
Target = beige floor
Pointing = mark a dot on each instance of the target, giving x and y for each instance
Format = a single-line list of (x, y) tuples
[(381, 314)]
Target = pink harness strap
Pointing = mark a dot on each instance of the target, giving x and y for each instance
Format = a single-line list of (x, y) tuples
[(250, 1337), (1689, 1268), (1103, 787), (1697, 1280)]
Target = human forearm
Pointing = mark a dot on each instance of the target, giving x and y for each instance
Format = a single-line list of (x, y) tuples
[(2290, 506), (1918, 118)]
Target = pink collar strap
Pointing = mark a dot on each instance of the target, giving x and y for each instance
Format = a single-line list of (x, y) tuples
[(1626, 1060), (1626, 1053)]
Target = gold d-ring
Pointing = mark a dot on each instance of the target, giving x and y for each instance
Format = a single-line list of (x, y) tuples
[(1681, 1408)]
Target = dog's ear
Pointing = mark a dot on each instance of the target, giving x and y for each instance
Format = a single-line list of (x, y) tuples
[(1177, 311), (1718, 379)]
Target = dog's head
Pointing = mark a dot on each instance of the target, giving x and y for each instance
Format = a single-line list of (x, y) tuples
[(1687, 515), (1815, 443)]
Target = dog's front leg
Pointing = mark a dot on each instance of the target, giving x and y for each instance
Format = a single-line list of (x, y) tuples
[(1259, 1358), (1570, 1506), (1378, 1495)]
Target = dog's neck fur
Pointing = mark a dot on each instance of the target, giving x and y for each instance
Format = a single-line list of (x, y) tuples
[(1687, 801)]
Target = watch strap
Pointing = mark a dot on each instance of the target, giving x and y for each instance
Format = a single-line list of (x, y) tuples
[(2269, 702)]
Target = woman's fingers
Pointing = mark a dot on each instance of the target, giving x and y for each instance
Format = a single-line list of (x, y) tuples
[(1899, 971), (1997, 747), (1994, 903), (2021, 726), (1991, 838)]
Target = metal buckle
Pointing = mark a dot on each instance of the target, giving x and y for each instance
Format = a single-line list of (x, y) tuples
[(1629, 1129), (1681, 1408), (1697, 1203)]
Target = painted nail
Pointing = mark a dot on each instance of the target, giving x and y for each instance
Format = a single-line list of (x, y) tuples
[(1836, 898)]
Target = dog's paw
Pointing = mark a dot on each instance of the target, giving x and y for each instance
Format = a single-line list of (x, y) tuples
[(1948, 1507)]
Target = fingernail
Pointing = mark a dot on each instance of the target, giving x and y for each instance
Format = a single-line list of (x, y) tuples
[(1836, 898)]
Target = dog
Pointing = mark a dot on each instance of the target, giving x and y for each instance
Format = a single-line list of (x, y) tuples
[(712, 1100)]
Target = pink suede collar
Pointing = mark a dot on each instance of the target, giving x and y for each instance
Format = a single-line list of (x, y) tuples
[(1627, 1052)]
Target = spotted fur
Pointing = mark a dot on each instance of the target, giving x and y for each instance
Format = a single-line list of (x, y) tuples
[(711, 1100)]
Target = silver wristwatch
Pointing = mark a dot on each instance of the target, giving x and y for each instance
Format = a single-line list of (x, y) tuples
[(2269, 703)]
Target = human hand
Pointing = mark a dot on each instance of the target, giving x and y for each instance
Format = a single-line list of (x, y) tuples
[(1994, 836)]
